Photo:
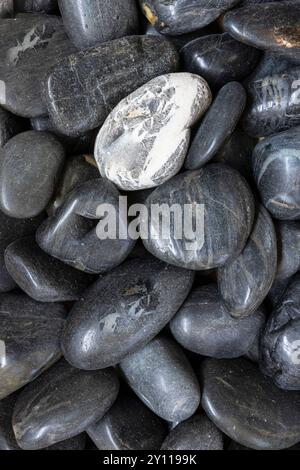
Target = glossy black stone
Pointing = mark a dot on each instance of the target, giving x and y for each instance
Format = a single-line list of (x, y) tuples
[(176, 17), (197, 433), (6, 8), (276, 169), (29, 169), (38, 40), (30, 339), (245, 282), (247, 407), (129, 425), (71, 233), (82, 90), (35, 6), (10, 125), (202, 317), (288, 240), (123, 311), (41, 276), (218, 58), (91, 22), (280, 358), (61, 404), (228, 217), (217, 125), (163, 379)]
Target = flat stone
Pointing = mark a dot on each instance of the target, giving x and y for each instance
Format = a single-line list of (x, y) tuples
[(288, 238), (6, 8), (71, 234), (10, 125), (276, 169), (35, 6), (38, 40), (29, 168), (29, 339), (280, 345), (123, 311), (61, 404), (41, 276), (129, 425), (245, 282), (83, 89), (203, 315), (197, 433), (228, 210), (176, 17), (217, 125), (245, 405), (218, 58), (88, 23), (163, 379), (269, 26), (144, 141)]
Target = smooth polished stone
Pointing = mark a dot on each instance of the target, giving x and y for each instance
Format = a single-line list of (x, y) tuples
[(10, 230), (30, 45), (288, 238), (61, 404), (245, 282), (276, 169), (247, 407), (71, 234), (29, 168), (277, 290), (10, 125), (6, 8), (197, 433), (35, 6), (202, 317), (280, 357), (41, 276), (91, 22), (217, 125), (219, 59), (228, 207), (123, 311), (269, 26), (163, 379), (144, 141), (176, 17), (83, 89), (29, 339), (129, 425)]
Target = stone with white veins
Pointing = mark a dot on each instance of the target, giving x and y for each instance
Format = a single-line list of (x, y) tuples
[(144, 140)]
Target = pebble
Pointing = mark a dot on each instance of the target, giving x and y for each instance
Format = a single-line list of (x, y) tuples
[(288, 238)]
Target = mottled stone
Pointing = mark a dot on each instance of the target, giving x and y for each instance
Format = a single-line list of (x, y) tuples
[(280, 357), (41, 276), (218, 58), (276, 169), (144, 141), (6, 8), (91, 22), (61, 404), (10, 125), (218, 124), (82, 90), (35, 6), (245, 282), (288, 240), (203, 315), (163, 379), (30, 44), (228, 216), (29, 168), (176, 17), (71, 234), (29, 339), (129, 425), (197, 433), (247, 407), (123, 311)]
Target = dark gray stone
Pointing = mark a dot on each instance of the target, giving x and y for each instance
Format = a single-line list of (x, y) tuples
[(10, 125), (288, 240), (35, 6), (277, 290), (163, 379), (6, 8), (123, 311)]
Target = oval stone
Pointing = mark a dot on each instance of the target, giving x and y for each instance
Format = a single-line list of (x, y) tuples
[(61, 404), (288, 237), (144, 141), (222, 198), (123, 311), (163, 379), (29, 339)]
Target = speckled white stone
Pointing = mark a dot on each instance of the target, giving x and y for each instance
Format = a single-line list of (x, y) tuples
[(144, 140)]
